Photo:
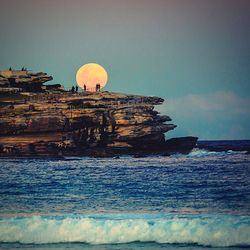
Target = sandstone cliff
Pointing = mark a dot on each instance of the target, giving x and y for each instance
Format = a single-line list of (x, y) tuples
[(100, 123), (23, 80), (45, 120)]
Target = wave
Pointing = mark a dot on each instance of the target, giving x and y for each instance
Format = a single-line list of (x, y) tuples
[(203, 153), (206, 230)]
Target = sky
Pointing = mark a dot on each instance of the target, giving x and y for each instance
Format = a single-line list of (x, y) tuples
[(193, 53)]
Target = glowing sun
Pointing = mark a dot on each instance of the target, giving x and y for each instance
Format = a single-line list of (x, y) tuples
[(90, 75)]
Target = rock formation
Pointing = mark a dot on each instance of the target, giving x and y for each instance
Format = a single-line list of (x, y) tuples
[(93, 124), (23, 80)]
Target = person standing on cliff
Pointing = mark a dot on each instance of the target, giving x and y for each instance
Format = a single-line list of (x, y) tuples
[(84, 88), (98, 87), (76, 88), (73, 89)]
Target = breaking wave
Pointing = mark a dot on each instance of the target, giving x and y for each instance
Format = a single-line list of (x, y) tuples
[(203, 153), (206, 230)]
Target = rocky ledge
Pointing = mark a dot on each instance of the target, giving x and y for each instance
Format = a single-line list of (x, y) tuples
[(14, 81), (92, 124)]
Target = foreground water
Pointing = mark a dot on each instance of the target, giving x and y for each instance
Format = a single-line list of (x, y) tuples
[(197, 201)]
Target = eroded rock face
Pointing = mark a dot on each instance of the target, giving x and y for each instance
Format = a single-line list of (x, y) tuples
[(23, 80), (81, 124)]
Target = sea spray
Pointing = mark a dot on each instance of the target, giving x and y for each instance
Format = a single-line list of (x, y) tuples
[(207, 230), (203, 153)]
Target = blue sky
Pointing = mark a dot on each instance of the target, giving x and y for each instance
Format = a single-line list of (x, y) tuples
[(194, 53)]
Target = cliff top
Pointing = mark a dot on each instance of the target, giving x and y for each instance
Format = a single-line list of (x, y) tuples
[(17, 85), (97, 98), (20, 73)]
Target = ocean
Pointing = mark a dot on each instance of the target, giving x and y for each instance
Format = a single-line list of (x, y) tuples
[(195, 201)]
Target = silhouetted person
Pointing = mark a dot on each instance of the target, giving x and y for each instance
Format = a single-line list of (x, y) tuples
[(84, 87), (73, 89), (10, 69), (22, 69), (76, 88), (97, 87)]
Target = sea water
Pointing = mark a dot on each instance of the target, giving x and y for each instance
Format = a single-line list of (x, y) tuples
[(195, 201)]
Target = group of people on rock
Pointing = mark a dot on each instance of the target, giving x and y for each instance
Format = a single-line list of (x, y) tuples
[(23, 69), (74, 89)]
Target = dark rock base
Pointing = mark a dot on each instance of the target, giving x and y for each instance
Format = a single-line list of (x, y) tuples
[(35, 150)]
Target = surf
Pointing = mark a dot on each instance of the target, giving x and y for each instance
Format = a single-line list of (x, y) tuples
[(216, 230)]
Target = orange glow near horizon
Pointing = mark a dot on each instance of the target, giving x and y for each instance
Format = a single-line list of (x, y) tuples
[(91, 74)]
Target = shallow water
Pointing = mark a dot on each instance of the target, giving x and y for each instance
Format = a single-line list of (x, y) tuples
[(180, 202)]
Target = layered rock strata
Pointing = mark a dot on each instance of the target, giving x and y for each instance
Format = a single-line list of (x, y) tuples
[(24, 80), (96, 124)]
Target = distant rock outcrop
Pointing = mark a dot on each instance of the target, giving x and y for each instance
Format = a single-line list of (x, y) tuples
[(23, 80)]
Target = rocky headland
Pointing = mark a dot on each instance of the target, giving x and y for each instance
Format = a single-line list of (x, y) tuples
[(47, 121)]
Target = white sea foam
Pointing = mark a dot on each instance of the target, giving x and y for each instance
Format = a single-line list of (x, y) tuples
[(203, 153), (203, 230)]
